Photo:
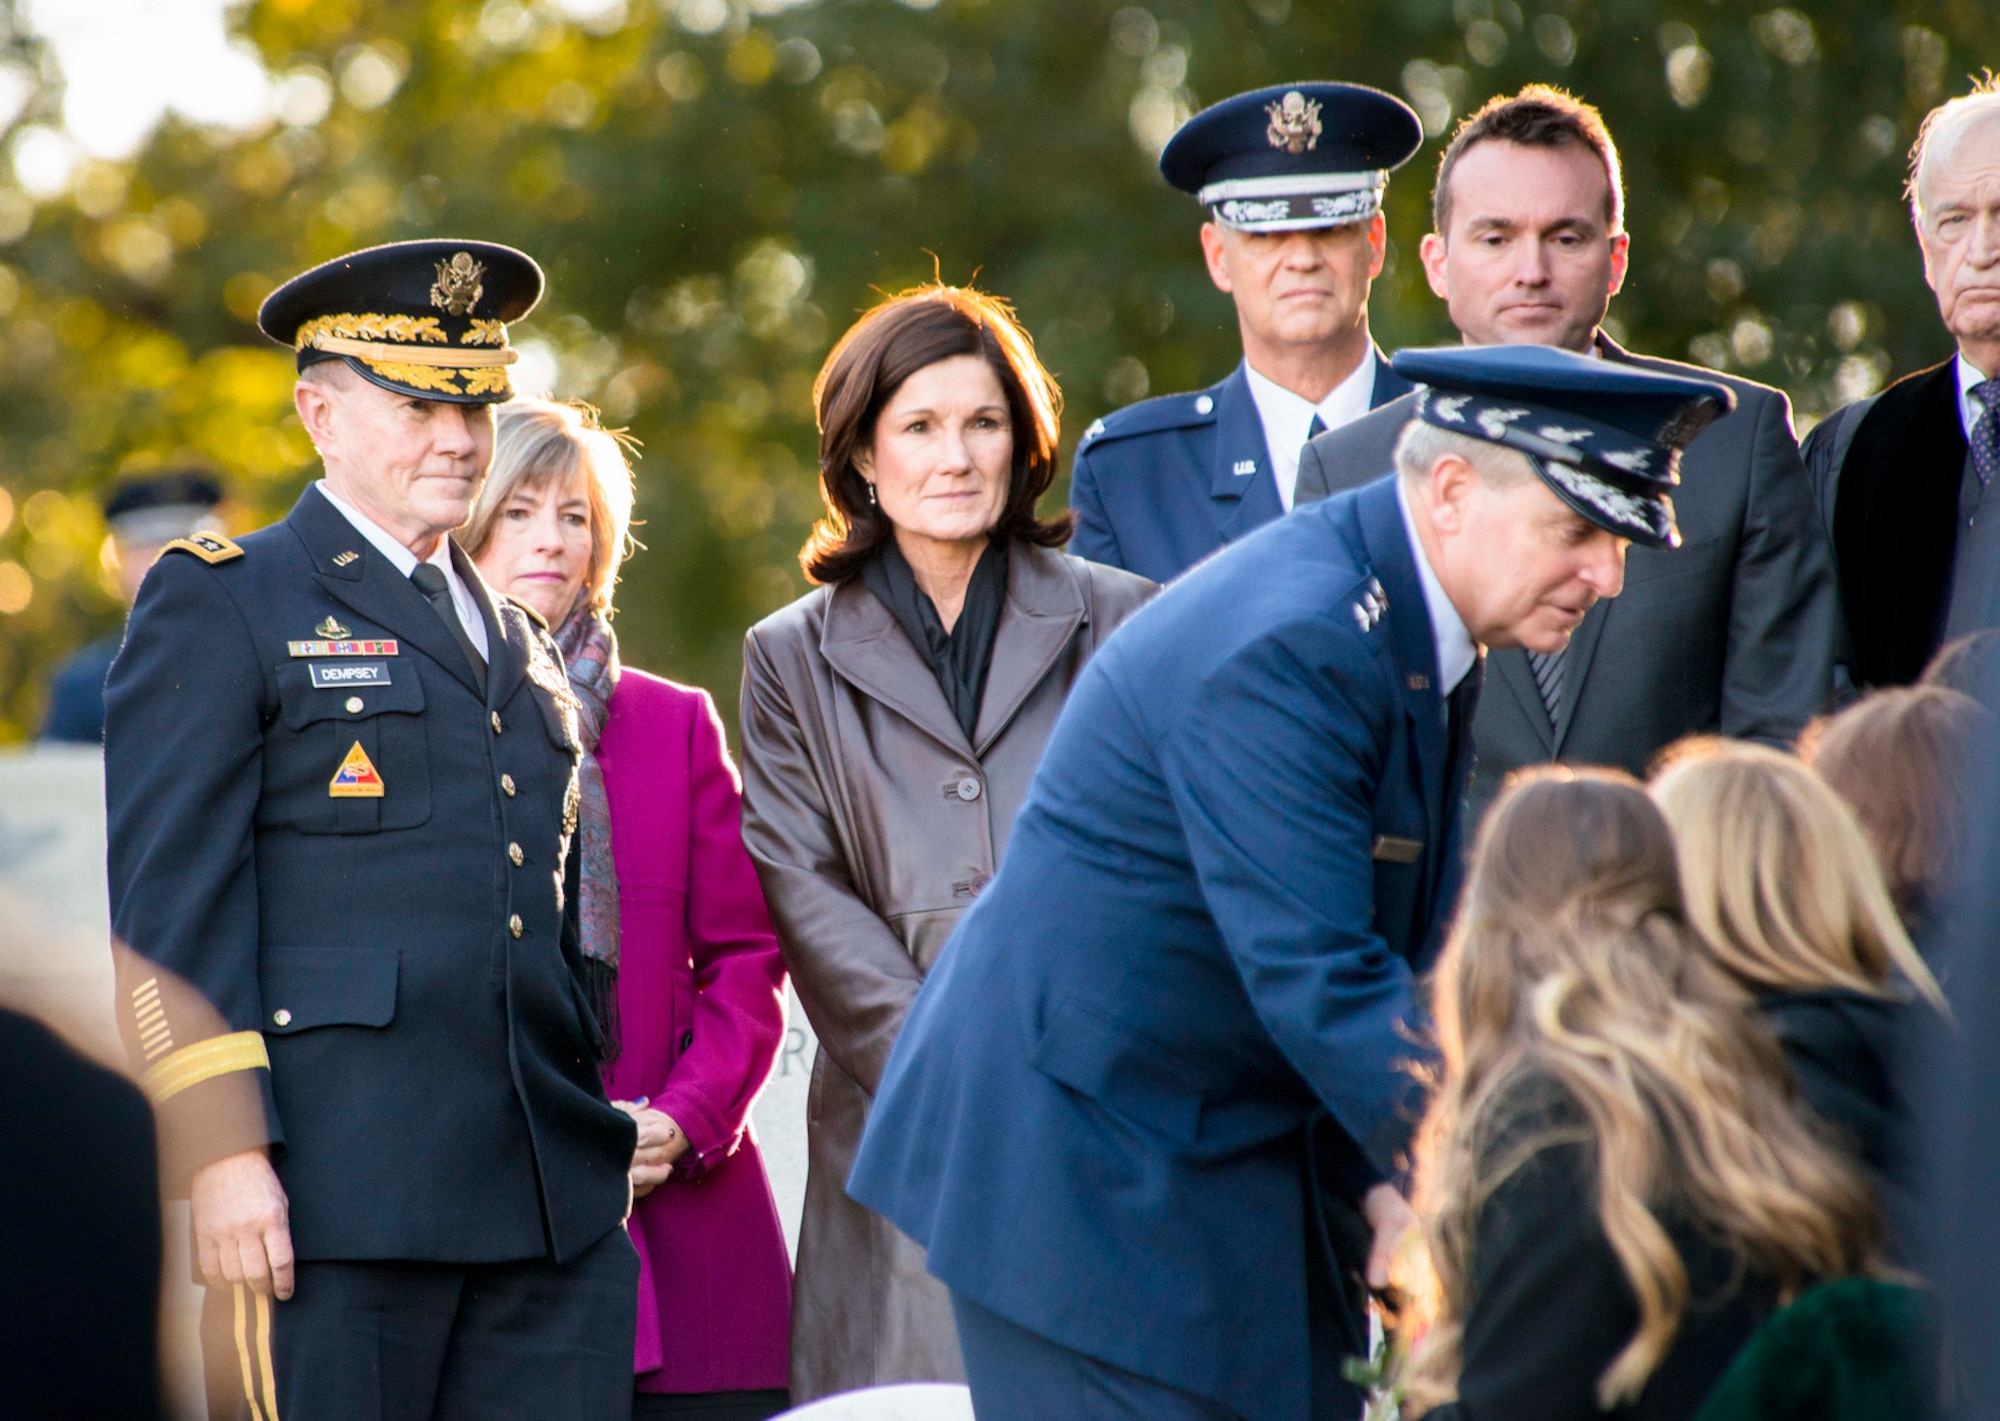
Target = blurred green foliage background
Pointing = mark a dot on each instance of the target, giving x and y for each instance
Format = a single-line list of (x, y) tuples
[(716, 187)]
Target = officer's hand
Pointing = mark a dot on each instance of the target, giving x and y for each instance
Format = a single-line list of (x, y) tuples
[(242, 1224), (660, 1143), (1392, 1218)]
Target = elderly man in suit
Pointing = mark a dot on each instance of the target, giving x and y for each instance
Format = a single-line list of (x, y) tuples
[(1292, 178), (1734, 632), (1146, 1111), (1902, 477), (342, 786)]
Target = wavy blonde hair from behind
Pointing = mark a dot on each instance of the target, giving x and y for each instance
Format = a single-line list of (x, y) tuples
[(1572, 965), (1778, 875)]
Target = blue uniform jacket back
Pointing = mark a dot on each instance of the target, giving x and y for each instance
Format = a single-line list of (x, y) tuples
[(433, 1087), (1230, 864)]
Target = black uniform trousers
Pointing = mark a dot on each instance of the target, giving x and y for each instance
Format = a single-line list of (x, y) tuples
[(394, 1341)]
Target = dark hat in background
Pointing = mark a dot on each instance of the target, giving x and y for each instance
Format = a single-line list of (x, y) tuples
[(427, 318), (160, 507), (1606, 438), (1293, 156)]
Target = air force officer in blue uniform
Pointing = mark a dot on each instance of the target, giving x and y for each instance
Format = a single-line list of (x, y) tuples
[(1292, 178), (342, 784), (1147, 1111)]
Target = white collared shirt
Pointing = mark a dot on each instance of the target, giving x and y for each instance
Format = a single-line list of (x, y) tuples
[(405, 562), (1969, 404), (1455, 651), (1286, 417)]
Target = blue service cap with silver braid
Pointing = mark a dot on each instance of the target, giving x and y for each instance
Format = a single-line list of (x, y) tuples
[(1606, 438), (1293, 156)]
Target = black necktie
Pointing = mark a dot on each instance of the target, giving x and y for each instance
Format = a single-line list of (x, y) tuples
[(429, 578), (1460, 706)]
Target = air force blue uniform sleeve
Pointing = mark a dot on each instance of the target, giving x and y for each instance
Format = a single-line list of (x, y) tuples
[(1276, 768), (186, 702)]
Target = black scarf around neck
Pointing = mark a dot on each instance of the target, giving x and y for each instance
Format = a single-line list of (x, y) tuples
[(961, 657)]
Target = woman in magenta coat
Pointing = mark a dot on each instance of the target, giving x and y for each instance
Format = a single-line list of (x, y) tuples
[(675, 932)]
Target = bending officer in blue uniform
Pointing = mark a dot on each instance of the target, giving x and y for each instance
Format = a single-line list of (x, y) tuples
[(1149, 1107), (1292, 178), (342, 784)]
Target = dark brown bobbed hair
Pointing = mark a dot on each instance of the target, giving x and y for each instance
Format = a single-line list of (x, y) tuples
[(1905, 760), (890, 343)]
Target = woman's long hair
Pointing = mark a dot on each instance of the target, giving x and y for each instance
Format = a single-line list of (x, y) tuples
[(1572, 969), (1779, 877), (892, 341)]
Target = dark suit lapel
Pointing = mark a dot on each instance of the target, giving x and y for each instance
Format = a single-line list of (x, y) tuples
[(1412, 647), (863, 644), (507, 636), (1514, 677), (1241, 472), (1388, 384), (1043, 611), (371, 585)]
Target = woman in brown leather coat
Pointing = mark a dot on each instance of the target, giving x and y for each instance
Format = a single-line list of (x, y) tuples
[(892, 719)]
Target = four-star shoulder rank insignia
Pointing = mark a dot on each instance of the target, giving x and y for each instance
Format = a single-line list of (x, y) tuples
[(356, 778), (209, 547), (332, 628), (1374, 602)]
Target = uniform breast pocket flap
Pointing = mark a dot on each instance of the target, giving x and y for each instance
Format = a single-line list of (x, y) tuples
[(307, 987), (306, 695)]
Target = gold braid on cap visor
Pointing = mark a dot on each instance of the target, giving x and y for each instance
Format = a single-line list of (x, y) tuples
[(391, 347)]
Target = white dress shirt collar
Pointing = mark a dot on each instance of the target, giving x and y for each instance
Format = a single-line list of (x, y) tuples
[(1286, 417), (1969, 406), (405, 562), (1455, 651)]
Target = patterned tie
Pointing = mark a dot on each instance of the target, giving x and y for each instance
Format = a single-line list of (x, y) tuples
[(429, 578), (1986, 433), (1548, 669)]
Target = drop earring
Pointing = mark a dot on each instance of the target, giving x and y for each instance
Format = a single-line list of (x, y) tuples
[(871, 493)]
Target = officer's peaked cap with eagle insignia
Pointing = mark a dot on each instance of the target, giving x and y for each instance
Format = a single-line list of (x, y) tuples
[(1606, 438), (1293, 156), (426, 318)]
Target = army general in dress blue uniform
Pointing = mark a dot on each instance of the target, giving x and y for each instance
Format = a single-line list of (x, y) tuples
[(1148, 1107), (342, 784), (1292, 178)]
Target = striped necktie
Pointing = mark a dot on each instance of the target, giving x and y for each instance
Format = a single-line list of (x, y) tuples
[(1548, 669)]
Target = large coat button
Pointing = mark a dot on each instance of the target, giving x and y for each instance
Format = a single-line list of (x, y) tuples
[(968, 789), (507, 785), (514, 924)]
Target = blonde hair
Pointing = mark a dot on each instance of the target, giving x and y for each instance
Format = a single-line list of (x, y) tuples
[(1778, 875), (539, 441), (1572, 968)]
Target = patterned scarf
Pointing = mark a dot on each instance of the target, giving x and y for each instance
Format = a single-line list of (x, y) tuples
[(590, 653)]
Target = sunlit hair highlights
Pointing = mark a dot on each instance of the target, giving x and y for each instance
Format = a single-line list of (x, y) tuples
[(1779, 877), (1572, 971), (539, 441), (891, 342), (1940, 133)]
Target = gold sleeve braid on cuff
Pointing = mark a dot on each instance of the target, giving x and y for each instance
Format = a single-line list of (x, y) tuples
[(204, 1061)]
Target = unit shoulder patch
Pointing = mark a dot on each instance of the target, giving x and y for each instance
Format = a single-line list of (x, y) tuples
[(211, 548)]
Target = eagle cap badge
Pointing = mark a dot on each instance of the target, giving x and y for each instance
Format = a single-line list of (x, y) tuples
[(1295, 125), (457, 288)]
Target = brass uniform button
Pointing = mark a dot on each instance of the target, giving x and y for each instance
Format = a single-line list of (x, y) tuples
[(282, 1017), (514, 924), (514, 854), (507, 785), (496, 722), (354, 705)]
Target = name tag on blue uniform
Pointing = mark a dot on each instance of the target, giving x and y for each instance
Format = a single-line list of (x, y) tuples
[(328, 675)]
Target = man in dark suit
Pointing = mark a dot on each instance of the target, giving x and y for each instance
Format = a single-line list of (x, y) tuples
[(342, 784), (143, 515), (1147, 1110), (1292, 178), (1902, 477), (1734, 632)]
